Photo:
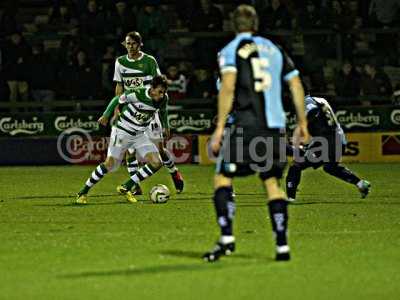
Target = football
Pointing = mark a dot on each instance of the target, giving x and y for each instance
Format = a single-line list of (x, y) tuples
[(159, 193)]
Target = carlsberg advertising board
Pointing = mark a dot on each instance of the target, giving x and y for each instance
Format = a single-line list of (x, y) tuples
[(352, 119)]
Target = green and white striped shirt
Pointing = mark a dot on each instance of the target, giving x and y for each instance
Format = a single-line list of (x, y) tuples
[(134, 73), (137, 110)]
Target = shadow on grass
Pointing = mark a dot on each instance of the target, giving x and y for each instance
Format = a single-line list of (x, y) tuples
[(160, 269), (192, 198), (58, 197), (83, 205), (197, 255), (365, 202)]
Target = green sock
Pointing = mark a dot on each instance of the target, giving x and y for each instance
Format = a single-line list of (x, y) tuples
[(84, 190), (129, 184)]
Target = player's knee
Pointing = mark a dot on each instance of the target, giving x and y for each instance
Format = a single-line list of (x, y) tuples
[(221, 181), (273, 189), (155, 162), (111, 164)]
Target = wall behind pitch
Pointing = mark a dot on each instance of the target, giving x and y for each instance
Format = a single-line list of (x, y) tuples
[(76, 149)]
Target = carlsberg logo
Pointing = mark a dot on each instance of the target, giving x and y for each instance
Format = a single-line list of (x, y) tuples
[(351, 119), (62, 123), (14, 127), (181, 123)]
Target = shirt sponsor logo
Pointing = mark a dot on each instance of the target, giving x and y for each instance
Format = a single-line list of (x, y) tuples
[(62, 123), (141, 117), (351, 119), (13, 126), (133, 82)]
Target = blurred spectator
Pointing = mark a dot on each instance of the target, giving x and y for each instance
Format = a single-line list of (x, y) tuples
[(201, 85), (347, 81), (308, 17), (107, 71), (176, 84), (4, 92), (16, 56), (86, 82), (122, 20), (42, 86), (74, 41), (375, 82), (396, 95), (384, 13), (363, 11), (62, 15), (78, 79), (275, 16), (171, 16), (67, 49), (92, 20), (206, 17), (361, 44), (152, 27), (341, 18), (8, 23), (66, 78)]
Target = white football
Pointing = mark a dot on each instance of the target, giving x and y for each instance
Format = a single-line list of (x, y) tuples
[(159, 193)]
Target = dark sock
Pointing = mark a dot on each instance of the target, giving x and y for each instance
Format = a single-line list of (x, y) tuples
[(225, 208), (279, 219), (341, 172), (292, 181)]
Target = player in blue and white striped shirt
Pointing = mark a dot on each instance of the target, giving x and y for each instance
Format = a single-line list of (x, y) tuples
[(253, 73)]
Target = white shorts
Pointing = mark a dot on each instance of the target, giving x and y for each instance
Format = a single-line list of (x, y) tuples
[(154, 132), (121, 141)]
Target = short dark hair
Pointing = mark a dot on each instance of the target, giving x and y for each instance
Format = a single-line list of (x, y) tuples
[(160, 80), (134, 35), (245, 18)]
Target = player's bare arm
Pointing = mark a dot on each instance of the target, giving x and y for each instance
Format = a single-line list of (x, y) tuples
[(119, 89), (225, 100), (300, 134)]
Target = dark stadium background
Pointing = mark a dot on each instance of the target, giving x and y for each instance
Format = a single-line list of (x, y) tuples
[(56, 68)]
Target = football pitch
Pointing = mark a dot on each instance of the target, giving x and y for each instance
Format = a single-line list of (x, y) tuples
[(343, 247)]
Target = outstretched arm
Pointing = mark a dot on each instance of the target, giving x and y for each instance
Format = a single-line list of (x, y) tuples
[(109, 112), (300, 134)]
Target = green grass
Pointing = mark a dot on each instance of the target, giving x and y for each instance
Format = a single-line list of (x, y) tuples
[(343, 247)]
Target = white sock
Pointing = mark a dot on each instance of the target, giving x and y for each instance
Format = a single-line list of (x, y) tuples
[(282, 249), (226, 239)]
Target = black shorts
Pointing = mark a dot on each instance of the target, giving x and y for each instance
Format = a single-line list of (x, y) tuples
[(246, 151)]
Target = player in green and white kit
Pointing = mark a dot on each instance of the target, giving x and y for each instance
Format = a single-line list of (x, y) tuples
[(137, 108), (137, 69)]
